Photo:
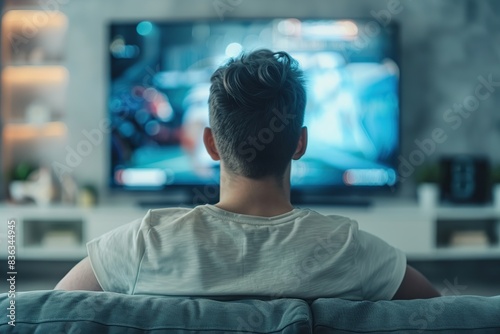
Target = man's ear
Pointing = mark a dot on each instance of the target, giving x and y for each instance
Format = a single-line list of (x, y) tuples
[(209, 141), (302, 145)]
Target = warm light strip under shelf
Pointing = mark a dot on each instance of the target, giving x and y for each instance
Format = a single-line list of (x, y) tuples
[(31, 131), (32, 75), (30, 21)]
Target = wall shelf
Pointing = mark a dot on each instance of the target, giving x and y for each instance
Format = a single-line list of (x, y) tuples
[(34, 75), (33, 131), (34, 87)]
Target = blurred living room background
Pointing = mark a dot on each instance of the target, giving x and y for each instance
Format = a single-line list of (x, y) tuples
[(60, 85)]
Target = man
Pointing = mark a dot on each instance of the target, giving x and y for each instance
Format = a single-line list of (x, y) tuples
[(253, 243)]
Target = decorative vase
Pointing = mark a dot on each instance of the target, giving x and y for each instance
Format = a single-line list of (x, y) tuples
[(496, 196), (428, 195)]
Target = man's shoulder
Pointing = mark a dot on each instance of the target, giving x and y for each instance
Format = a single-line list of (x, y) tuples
[(161, 216), (170, 211), (328, 219)]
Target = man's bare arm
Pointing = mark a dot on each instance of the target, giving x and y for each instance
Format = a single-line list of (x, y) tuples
[(415, 286), (80, 277)]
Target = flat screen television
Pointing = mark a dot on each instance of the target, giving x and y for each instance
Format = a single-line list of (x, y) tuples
[(159, 85)]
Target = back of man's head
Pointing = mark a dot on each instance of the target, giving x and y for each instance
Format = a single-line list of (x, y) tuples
[(257, 104)]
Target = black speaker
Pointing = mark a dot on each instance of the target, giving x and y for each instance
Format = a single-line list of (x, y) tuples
[(465, 180)]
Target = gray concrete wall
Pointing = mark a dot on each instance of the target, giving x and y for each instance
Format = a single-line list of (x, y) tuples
[(446, 46)]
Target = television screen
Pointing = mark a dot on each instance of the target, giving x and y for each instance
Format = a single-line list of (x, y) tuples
[(159, 86)]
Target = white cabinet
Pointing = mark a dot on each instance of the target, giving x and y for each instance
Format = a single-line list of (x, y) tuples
[(61, 233), (406, 226)]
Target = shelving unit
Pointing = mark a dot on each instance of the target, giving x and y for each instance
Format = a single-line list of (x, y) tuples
[(402, 224), (34, 82)]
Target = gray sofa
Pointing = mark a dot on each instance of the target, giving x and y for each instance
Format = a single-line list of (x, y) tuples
[(102, 312)]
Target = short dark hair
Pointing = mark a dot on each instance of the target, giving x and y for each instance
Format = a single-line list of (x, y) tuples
[(257, 104)]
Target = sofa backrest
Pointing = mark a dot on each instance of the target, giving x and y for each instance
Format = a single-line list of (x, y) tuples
[(459, 314), (104, 312)]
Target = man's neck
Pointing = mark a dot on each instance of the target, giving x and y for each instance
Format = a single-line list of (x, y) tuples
[(265, 198)]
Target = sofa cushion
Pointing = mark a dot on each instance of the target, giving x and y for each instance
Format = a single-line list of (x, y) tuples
[(464, 314), (104, 312)]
